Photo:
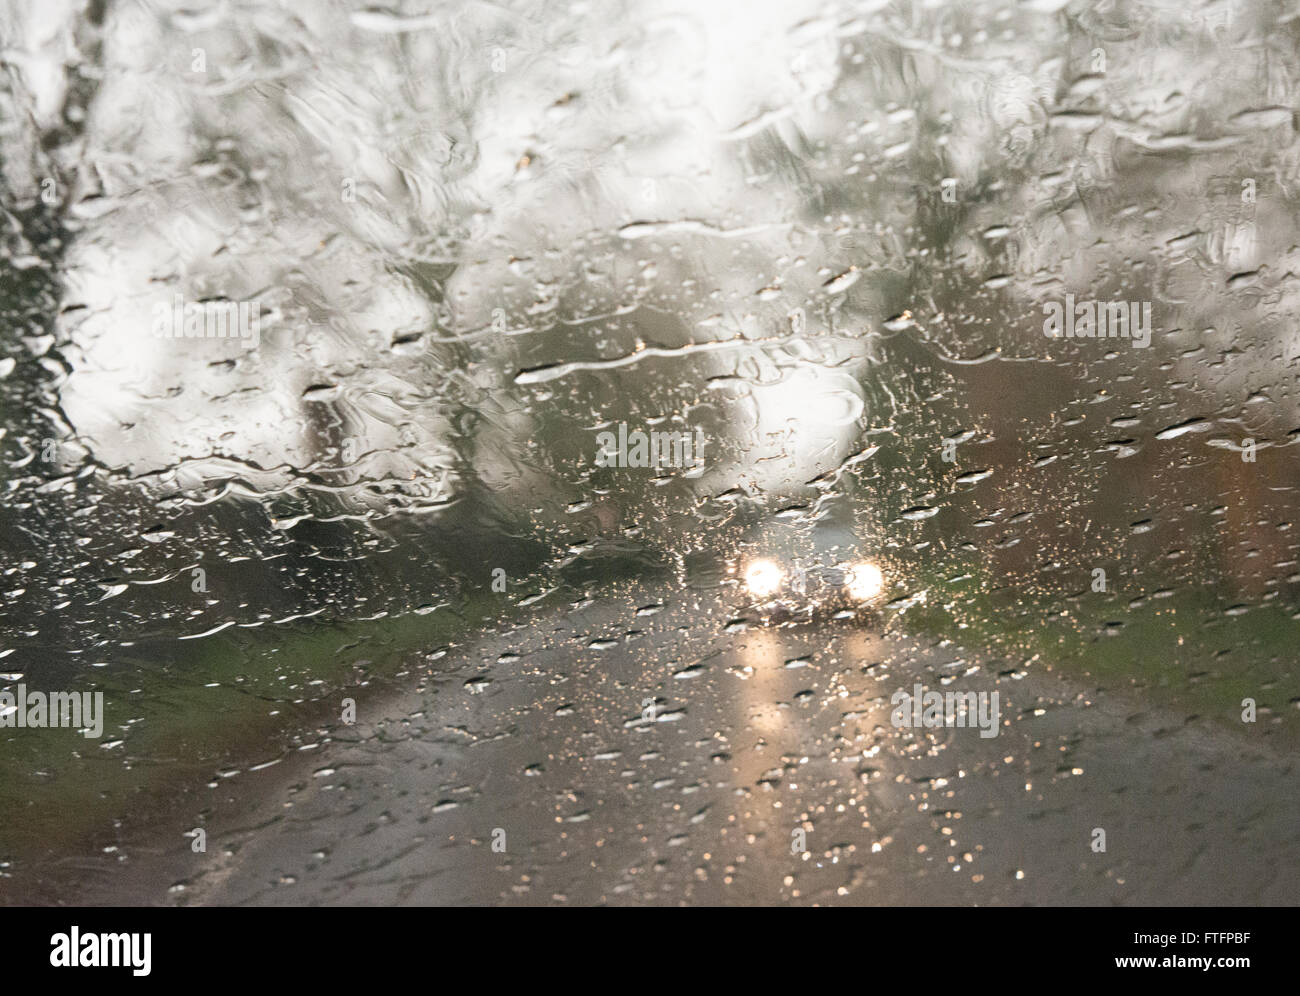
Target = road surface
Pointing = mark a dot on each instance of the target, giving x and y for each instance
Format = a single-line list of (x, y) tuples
[(539, 740)]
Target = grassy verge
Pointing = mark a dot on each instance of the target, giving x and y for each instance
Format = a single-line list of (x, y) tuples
[(1187, 652), (181, 714)]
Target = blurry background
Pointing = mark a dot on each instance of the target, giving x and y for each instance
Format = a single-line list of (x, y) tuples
[(821, 234)]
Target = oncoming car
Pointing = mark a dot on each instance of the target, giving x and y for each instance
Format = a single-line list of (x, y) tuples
[(790, 574)]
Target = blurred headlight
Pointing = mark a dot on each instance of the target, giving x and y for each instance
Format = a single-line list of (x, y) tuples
[(864, 581), (763, 578)]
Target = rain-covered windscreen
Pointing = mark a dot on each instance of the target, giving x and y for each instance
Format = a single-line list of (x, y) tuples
[(649, 452)]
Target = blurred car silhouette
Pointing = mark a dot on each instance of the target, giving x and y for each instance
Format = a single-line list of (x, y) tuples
[(789, 573)]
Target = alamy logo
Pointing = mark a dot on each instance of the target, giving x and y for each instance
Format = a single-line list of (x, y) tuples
[(1098, 320), (221, 319), (70, 710), (929, 710), (77, 950), (671, 448)]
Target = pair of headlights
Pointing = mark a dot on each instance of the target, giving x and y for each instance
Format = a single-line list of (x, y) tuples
[(862, 581)]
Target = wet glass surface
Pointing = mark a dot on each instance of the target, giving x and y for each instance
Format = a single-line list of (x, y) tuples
[(522, 452)]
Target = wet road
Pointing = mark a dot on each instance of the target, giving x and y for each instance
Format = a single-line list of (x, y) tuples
[(539, 739)]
